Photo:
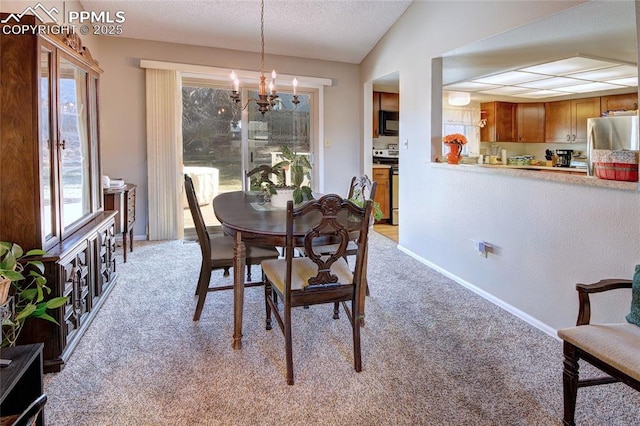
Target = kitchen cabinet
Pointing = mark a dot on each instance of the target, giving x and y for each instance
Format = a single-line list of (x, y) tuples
[(376, 114), (50, 178), (626, 102), (530, 122), (566, 121), (382, 175), (383, 101), (389, 101), (501, 122)]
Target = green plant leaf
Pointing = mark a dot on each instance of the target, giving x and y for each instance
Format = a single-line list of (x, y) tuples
[(29, 294), (12, 275), (48, 317), (28, 310), (38, 265), (36, 252), (56, 302)]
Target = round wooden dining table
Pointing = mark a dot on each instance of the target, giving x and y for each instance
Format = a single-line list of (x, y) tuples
[(248, 221)]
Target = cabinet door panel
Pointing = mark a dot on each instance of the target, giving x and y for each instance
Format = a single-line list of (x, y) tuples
[(583, 109), (531, 122), (383, 192), (74, 148), (501, 125), (558, 121), (48, 157), (389, 101), (625, 102)]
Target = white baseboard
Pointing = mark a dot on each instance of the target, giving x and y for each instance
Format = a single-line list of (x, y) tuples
[(491, 298)]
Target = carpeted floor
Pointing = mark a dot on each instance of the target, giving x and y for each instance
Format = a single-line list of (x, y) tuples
[(434, 353)]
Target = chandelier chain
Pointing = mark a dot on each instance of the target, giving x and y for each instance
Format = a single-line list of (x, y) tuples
[(262, 36)]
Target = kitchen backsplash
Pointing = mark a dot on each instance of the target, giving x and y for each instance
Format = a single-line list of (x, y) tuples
[(535, 149), (381, 142)]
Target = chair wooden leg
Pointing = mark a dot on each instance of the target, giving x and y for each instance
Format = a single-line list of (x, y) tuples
[(570, 375), (336, 310), (267, 290), (355, 324), (200, 278), (226, 272), (288, 343), (205, 277), (248, 273)]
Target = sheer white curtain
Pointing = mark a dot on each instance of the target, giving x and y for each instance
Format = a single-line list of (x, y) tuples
[(164, 154), (465, 121)]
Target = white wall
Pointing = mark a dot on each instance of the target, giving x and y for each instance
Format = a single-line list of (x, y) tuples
[(548, 235), (123, 133)]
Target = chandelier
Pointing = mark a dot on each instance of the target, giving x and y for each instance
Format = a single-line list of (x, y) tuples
[(267, 99)]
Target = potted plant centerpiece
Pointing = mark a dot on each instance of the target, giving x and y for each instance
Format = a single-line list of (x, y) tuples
[(21, 276), (298, 190)]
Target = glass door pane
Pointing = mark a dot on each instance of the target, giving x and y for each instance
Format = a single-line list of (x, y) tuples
[(212, 146), (47, 159), (74, 144), (286, 125)]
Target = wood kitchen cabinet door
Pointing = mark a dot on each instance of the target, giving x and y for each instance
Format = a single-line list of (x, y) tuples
[(389, 101), (625, 102), (383, 191), (501, 122), (376, 114), (566, 121), (531, 122), (581, 110)]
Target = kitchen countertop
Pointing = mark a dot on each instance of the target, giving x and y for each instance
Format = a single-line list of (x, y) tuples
[(530, 167), (381, 166), (543, 173)]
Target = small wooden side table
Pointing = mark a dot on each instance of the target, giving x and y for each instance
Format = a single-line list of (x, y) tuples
[(123, 200), (21, 382)]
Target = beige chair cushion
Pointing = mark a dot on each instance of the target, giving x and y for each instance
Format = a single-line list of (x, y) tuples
[(302, 268), (616, 344)]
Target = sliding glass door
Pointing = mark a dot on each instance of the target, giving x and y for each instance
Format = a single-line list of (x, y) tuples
[(221, 141)]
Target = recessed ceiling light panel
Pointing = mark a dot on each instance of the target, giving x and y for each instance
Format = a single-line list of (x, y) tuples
[(590, 87), (621, 71), (505, 90), (511, 77), (568, 66), (469, 86), (539, 94), (552, 83), (630, 81)]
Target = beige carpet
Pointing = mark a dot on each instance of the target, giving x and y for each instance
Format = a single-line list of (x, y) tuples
[(434, 353)]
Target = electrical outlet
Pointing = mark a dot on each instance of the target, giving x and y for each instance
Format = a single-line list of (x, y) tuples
[(482, 248)]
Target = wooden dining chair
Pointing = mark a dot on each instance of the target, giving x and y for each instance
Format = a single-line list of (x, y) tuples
[(30, 416), (318, 278), (217, 252)]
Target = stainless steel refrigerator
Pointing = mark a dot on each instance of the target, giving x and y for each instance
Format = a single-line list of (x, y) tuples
[(612, 133)]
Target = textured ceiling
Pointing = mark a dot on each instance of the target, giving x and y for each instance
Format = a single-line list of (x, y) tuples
[(335, 30)]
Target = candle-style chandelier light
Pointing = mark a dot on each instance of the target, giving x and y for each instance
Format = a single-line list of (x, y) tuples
[(267, 99)]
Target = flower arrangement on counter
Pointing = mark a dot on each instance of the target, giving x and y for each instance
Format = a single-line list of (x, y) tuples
[(456, 138)]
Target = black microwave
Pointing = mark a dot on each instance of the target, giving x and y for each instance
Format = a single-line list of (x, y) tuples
[(389, 123)]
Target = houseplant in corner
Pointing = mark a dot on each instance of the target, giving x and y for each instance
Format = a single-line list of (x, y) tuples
[(24, 280)]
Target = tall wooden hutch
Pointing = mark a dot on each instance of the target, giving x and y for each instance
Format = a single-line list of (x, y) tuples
[(50, 177)]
